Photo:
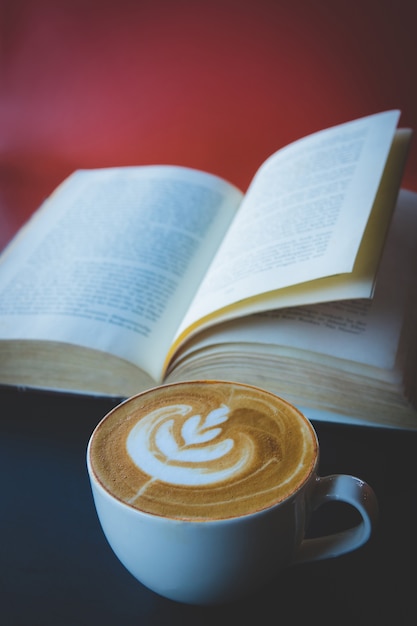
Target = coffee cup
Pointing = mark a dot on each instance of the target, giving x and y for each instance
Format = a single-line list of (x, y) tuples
[(205, 489)]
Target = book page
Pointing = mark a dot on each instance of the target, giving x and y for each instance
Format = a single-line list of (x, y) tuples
[(113, 259), (302, 220), (359, 331)]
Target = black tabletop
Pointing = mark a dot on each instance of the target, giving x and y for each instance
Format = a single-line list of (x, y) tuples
[(56, 567)]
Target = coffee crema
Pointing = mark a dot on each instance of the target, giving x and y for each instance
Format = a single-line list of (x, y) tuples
[(203, 450)]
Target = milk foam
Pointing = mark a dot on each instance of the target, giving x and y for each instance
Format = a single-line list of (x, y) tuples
[(203, 450), (187, 455)]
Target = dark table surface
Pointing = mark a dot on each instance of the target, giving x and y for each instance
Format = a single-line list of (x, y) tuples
[(56, 567)]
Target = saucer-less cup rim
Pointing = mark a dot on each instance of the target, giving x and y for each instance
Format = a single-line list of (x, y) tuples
[(240, 552), (312, 470)]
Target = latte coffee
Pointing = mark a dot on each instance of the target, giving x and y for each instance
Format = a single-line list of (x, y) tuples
[(203, 450)]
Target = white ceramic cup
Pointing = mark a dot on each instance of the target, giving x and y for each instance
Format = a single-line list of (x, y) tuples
[(210, 561)]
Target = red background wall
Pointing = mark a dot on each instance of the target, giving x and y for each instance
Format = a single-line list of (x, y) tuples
[(217, 85)]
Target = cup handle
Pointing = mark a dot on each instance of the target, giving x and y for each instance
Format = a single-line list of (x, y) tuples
[(353, 491)]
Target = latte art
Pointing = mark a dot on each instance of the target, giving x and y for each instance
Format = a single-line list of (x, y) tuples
[(186, 451), (203, 450)]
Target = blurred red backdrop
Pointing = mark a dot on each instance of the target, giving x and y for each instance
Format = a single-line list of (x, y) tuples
[(216, 85)]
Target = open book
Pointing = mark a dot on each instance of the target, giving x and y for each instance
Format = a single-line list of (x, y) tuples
[(130, 277)]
